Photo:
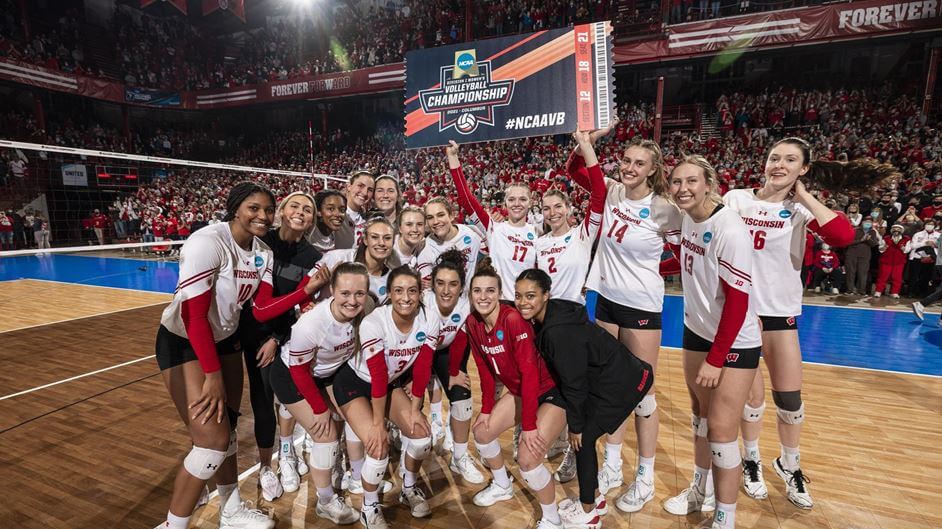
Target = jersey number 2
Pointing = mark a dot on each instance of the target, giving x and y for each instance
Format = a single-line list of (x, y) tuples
[(552, 265)]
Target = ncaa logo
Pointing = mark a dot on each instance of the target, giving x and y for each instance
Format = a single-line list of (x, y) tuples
[(467, 239), (500, 335), (530, 236), (644, 213), (707, 237), (784, 213), (567, 239), (455, 318), (382, 291), (466, 64), (259, 261), (420, 336)]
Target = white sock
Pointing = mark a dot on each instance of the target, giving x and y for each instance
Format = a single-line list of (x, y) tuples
[(176, 522), (751, 448), (725, 515), (501, 477), (700, 478), (324, 495), (436, 408), (370, 498), (287, 446), (709, 483), (646, 470), (225, 490), (460, 449), (551, 513), (409, 479), (613, 456), (356, 467), (790, 458)]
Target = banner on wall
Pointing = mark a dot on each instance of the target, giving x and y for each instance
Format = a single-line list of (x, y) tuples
[(236, 7), (157, 98), (548, 82), (74, 174), (179, 4)]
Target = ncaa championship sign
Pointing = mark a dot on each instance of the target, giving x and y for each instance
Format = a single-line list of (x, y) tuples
[(548, 82)]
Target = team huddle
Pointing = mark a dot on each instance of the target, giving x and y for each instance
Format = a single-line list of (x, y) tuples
[(354, 309)]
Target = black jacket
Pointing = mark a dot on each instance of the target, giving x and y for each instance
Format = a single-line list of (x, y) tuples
[(598, 376)]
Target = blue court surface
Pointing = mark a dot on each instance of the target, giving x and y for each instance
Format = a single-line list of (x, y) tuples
[(853, 337)]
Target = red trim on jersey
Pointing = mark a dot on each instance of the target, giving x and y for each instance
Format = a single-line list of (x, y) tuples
[(379, 376), (301, 375), (265, 307), (735, 271), (598, 193), (838, 232), (193, 279), (302, 353), (466, 199), (734, 313), (195, 315), (575, 167), (422, 371), (456, 352)]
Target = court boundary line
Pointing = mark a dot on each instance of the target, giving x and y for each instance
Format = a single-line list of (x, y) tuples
[(82, 317), (76, 377), (89, 285)]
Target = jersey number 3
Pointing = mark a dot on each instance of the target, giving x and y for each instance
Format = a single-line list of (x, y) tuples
[(688, 264)]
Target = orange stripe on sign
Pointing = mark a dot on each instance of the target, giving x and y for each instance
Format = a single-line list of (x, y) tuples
[(517, 69), (585, 107)]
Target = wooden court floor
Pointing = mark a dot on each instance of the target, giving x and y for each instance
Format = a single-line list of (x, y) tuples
[(101, 450)]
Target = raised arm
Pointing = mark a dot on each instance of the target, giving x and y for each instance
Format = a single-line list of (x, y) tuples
[(465, 198)]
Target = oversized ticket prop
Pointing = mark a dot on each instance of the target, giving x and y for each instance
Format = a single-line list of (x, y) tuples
[(548, 82)]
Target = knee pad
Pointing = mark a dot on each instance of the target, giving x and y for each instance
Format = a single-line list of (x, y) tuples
[(726, 455), (703, 427), (488, 450), (787, 400), (202, 463), (750, 414), (536, 478), (283, 412), (418, 449), (373, 470), (323, 455), (351, 435), (694, 422), (461, 410), (792, 417), (646, 407), (233, 444)]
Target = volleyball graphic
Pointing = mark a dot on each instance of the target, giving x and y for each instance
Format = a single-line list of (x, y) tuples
[(466, 123)]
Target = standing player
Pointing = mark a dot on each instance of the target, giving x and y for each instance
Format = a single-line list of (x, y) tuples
[(778, 216), (330, 206), (359, 194), (510, 242), (373, 251), (221, 267), (637, 220), (444, 235), (322, 340), (721, 335)]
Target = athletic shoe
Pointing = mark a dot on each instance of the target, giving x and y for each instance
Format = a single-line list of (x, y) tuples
[(492, 494), (355, 486), (204, 498), (242, 515), (448, 443), (371, 516), (415, 499), (546, 524), (438, 432), (609, 478), (817, 290), (271, 486), (566, 470), (877, 295), (574, 517), (919, 310), (635, 497), (559, 447), (336, 510), (835, 291), (601, 505), (288, 471), (752, 481), (466, 468), (894, 296), (794, 485), (690, 500)]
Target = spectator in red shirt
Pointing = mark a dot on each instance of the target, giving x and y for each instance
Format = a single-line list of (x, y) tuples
[(99, 223), (930, 211), (6, 231), (827, 266), (893, 249)]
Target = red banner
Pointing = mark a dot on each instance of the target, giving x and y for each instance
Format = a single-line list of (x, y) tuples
[(843, 21), (179, 4), (236, 7)]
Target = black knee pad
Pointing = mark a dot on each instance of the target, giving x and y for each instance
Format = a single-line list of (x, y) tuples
[(787, 400), (457, 393), (233, 417)]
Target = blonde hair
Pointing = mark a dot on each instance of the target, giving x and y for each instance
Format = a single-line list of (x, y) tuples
[(557, 193), (709, 174), (279, 211), (657, 180), (449, 207)]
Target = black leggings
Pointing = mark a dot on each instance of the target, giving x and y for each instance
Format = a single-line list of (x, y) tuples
[(260, 394), (587, 463), (440, 365)]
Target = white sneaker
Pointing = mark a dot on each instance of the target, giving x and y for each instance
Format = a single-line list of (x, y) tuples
[(894, 296), (690, 500), (609, 478), (835, 291), (817, 290), (573, 517), (638, 494), (288, 471), (566, 470), (303, 469), (546, 524), (355, 486), (372, 517), (752, 481), (794, 485), (271, 486), (877, 295), (448, 443), (493, 493), (559, 447), (466, 468), (601, 505), (336, 510), (415, 499), (438, 432), (919, 310), (242, 515)]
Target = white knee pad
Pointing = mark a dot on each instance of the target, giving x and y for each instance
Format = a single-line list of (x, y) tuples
[(283, 412), (536, 478), (374, 469), (750, 414), (418, 449), (351, 435), (646, 407), (792, 417), (726, 455), (694, 422), (488, 450), (702, 428), (202, 463), (323, 455), (462, 410), (233, 444)]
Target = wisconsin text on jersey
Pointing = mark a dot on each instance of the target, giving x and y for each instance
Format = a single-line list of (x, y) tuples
[(759, 223), (624, 216), (692, 246)]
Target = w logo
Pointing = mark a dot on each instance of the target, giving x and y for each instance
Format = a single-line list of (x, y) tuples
[(732, 357), (642, 322)]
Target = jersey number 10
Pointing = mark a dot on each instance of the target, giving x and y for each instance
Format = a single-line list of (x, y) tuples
[(245, 292)]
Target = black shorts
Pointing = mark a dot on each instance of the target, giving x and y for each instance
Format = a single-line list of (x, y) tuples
[(347, 385), (279, 376), (173, 350), (552, 396), (626, 317), (736, 358), (440, 365), (779, 323)]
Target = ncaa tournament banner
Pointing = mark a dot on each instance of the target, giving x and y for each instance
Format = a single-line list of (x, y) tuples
[(548, 82), (157, 98)]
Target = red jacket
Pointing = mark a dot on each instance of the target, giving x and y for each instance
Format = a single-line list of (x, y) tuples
[(894, 255), (826, 260)]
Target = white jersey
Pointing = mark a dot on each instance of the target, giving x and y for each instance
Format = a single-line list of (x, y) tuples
[(566, 259), (627, 263), (452, 322), (467, 241), (322, 242), (351, 231), (401, 258), (777, 235), (379, 335), (334, 258), (211, 260), (512, 251), (317, 337), (717, 249)]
